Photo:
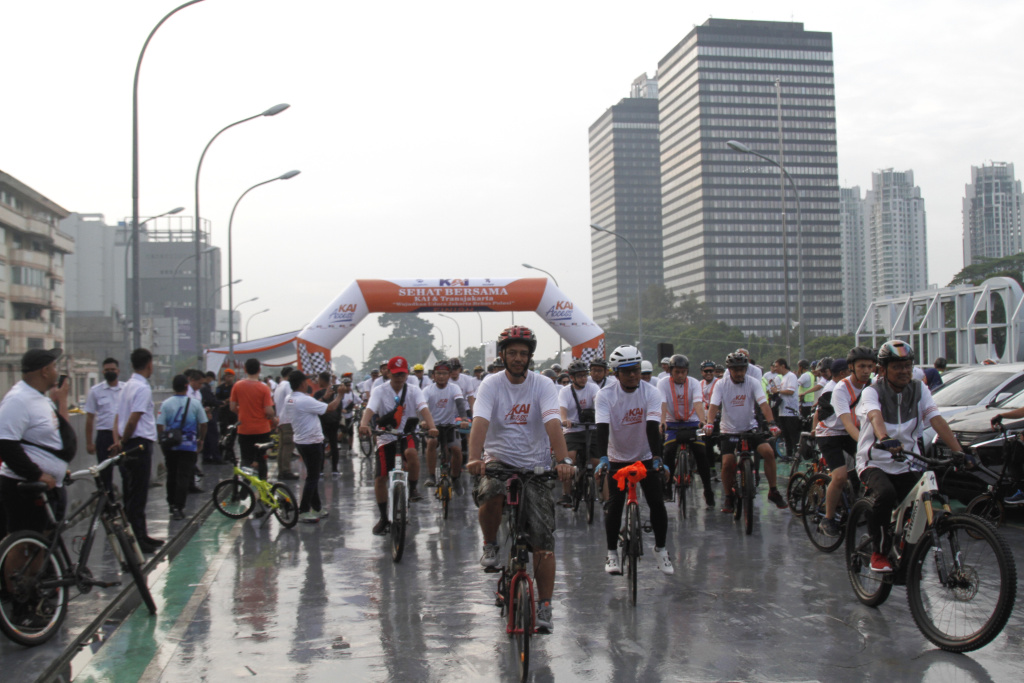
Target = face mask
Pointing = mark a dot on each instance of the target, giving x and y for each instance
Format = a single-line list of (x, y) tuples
[(110, 376)]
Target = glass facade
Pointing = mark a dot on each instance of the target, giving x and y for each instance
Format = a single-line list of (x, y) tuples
[(896, 235), (722, 209)]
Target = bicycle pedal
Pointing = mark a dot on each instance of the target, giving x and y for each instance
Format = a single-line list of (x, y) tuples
[(492, 570)]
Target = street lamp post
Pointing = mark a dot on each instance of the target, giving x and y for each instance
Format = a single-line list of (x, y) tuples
[(527, 265), (740, 147), (128, 291), (458, 349), (209, 299), (231, 292), (265, 310), (273, 111), (136, 259), (639, 303), (440, 332)]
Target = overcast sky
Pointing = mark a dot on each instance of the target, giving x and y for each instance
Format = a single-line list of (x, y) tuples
[(449, 139)]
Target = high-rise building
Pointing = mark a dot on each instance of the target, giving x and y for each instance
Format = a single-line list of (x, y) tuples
[(992, 208), (897, 234), (625, 197), (722, 209), (856, 296)]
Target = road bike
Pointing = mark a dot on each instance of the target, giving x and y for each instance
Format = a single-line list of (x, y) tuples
[(814, 511), (744, 484), (398, 496), (959, 572), (236, 497), (444, 466), (631, 544), (999, 482), (686, 466), (37, 570), (515, 593), (584, 487)]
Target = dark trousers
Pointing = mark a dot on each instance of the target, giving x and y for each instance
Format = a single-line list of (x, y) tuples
[(180, 467), (670, 454), (251, 456), (888, 490), (331, 431), (104, 440), (211, 445), (312, 455), (790, 426), (135, 476), (24, 510), (651, 485)]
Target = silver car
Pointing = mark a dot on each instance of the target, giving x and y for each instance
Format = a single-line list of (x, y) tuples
[(981, 385)]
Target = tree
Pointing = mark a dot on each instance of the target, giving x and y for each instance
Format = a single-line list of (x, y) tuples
[(410, 338), (1008, 266), (836, 347)]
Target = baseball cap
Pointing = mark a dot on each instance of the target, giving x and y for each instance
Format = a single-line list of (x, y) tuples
[(398, 364), (228, 371), (37, 359)]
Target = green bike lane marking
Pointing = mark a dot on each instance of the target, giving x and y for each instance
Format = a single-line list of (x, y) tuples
[(138, 643)]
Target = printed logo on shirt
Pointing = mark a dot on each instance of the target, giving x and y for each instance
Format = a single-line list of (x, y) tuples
[(739, 401), (519, 414), (633, 416), (442, 403)]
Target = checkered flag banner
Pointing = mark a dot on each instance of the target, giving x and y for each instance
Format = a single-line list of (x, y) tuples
[(590, 353), (312, 362)]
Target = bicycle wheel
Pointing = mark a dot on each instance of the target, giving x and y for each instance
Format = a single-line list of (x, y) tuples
[(737, 499), (870, 587), (591, 496), (287, 510), (577, 490), (234, 498), (444, 490), (988, 507), (961, 591), (681, 481), (365, 445), (522, 624), (795, 493), (814, 514), (632, 548), (30, 615), (748, 496), (398, 523), (134, 568)]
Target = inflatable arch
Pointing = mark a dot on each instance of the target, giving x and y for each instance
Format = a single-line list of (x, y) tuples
[(362, 297)]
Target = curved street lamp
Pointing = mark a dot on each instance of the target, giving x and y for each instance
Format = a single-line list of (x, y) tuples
[(458, 328), (639, 303), (265, 310), (527, 265)]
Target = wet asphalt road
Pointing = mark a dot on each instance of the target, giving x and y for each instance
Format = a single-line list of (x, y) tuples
[(325, 602)]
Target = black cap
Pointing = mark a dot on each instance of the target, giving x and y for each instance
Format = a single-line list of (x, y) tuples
[(37, 359)]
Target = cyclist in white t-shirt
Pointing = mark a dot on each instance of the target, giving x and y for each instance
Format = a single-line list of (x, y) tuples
[(599, 373), (576, 406), (629, 430), (516, 423), (682, 405), (448, 407)]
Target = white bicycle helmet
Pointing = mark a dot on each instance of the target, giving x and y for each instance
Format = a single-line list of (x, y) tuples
[(624, 356), (646, 366)]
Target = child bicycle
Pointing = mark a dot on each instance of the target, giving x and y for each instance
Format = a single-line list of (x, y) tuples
[(959, 572), (36, 570), (236, 497)]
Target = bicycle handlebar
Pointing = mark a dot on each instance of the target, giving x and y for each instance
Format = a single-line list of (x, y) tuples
[(95, 470), (501, 471)]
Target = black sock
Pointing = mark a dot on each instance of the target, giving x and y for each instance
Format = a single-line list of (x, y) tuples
[(412, 485), (383, 507)]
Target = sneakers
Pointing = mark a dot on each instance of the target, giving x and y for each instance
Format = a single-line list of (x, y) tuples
[(880, 563), (490, 556), (544, 619), (829, 527), (611, 564), (310, 517), (287, 476), (414, 496), (664, 561), (775, 497), (1015, 499), (709, 498), (177, 513), (430, 481), (381, 527), (727, 506), (323, 513), (336, 474)]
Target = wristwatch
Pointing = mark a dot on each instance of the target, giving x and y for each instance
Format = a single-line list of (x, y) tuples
[(568, 461)]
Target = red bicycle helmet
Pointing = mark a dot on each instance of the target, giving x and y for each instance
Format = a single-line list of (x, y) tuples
[(517, 333)]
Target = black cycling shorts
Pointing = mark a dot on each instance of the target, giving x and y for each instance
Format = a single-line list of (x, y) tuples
[(386, 453), (729, 443), (835, 448)]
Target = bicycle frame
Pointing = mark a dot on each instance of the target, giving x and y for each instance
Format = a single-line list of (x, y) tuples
[(519, 553), (261, 487)]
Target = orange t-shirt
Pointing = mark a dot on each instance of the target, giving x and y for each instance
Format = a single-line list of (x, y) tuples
[(252, 396)]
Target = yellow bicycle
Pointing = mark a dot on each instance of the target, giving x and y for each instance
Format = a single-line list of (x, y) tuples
[(236, 497)]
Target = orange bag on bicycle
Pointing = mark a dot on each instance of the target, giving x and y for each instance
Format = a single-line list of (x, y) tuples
[(632, 474)]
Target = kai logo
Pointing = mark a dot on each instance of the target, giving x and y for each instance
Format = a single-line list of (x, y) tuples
[(344, 313), (562, 310), (633, 416), (519, 414), (453, 283)]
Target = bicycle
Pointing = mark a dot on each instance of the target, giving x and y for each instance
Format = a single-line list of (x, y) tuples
[(989, 504), (398, 497), (744, 484), (36, 570), (584, 488), (796, 489), (814, 511), (444, 479), (236, 497), (949, 562), (630, 536), (515, 585), (682, 480)]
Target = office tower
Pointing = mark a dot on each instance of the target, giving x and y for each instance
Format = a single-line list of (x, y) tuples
[(992, 206), (854, 261), (897, 251)]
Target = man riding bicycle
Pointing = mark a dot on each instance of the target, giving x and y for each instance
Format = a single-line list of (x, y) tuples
[(576, 407), (737, 396), (682, 404), (448, 406), (515, 422)]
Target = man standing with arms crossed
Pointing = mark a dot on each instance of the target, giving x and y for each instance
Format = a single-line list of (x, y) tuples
[(100, 408)]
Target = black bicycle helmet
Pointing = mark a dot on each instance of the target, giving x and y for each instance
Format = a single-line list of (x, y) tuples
[(860, 353), (895, 349), (498, 363), (678, 361), (599, 363), (736, 360), (577, 366), (549, 373), (517, 333), (707, 364), (454, 364), (826, 363)]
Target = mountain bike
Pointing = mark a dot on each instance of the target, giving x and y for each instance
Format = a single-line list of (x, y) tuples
[(365, 442), (444, 467), (796, 490), (515, 594), (236, 497), (37, 571), (631, 544), (814, 511), (744, 486), (398, 497), (682, 479), (1000, 484), (584, 487), (959, 572)]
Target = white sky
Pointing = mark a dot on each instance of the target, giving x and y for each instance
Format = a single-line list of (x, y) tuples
[(449, 139)]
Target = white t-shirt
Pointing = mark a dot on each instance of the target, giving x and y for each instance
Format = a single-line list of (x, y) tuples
[(608, 381), (384, 399), (102, 402), (661, 375), (822, 428), (27, 414), (627, 415), (769, 380), (687, 395), (790, 402), (843, 394), (281, 393), (907, 432), (137, 397), (754, 371), (705, 390), (304, 412), (738, 403), (586, 396), (441, 402), (467, 384), (516, 414), (348, 402)]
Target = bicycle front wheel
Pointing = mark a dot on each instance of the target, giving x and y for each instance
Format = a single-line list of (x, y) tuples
[(632, 548), (444, 490), (870, 587), (522, 624), (962, 589), (748, 496), (814, 514), (591, 496), (287, 510), (134, 568), (398, 523), (365, 445), (234, 498), (29, 613), (988, 507), (795, 493)]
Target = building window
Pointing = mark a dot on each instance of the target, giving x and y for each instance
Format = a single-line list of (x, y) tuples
[(3, 308), (36, 343), (31, 277), (55, 319), (3, 344)]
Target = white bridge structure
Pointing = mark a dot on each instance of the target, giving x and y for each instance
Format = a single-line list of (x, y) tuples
[(965, 324)]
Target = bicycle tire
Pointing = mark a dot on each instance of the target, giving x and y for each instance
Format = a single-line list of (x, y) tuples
[(591, 497), (814, 514), (365, 446), (15, 620), (747, 480), (737, 501), (986, 562), (444, 489), (522, 622), (287, 510), (576, 490), (135, 568), (795, 493), (988, 507), (632, 548), (398, 523), (234, 498), (871, 588)]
